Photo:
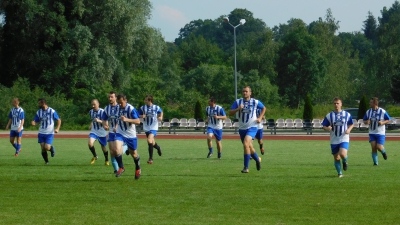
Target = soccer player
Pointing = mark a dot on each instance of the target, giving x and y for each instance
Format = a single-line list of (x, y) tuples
[(109, 120), (215, 114), (340, 124), (45, 117), (16, 120), (126, 132), (259, 134), (97, 132), (246, 108), (376, 118), (151, 114)]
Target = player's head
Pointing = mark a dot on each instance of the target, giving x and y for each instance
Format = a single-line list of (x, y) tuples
[(42, 103), (148, 100), (15, 102), (211, 101), (374, 102), (95, 104), (246, 92), (112, 97), (121, 100), (337, 103)]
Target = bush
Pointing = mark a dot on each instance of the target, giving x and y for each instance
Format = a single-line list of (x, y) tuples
[(308, 108)]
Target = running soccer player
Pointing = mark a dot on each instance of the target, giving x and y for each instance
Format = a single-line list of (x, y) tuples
[(215, 114), (126, 132), (97, 132), (246, 107), (151, 114), (109, 120), (16, 121), (340, 124), (376, 118), (45, 117)]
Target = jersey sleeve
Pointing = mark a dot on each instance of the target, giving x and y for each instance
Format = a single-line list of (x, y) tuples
[(234, 105), (55, 116), (386, 116), (134, 114), (260, 105), (326, 122), (350, 121), (22, 115), (140, 111), (222, 112)]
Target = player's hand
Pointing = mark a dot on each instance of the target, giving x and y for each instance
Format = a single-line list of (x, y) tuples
[(106, 127), (380, 123), (241, 106), (123, 118), (56, 131), (33, 123)]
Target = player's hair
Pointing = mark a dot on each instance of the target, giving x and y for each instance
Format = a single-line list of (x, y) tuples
[(96, 100), (121, 96), (16, 99), (247, 87), (212, 99), (337, 99), (149, 98), (375, 100), (42, 100), (113, 92)]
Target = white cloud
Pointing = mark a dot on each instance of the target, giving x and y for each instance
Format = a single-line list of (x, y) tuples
[(171, 16)]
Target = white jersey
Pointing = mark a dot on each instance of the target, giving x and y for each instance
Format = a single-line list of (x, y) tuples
[(247, 115), (339, 121), (212, 122), (375, 116), (150, 122), (126, 129), (111, 114), (16, 115), (97, 128), (46, 119)]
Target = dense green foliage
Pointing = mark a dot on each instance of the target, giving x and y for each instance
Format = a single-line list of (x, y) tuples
[(297, 184), (79, 50), (363, 107), (308, 108)]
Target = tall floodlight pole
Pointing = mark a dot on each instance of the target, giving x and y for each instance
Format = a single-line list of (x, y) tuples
[(242, 21)]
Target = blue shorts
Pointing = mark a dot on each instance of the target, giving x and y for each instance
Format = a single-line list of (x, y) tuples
[(259, 134), (130, 142), (217, 133), (250, 132), (14, 133), (102, 140), (378, 138), (335, 148), (154, 132), (111, 137), (45, 138)]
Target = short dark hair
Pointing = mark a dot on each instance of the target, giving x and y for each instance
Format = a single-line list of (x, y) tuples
[(42, 100), (113, 92), (149, 98), (337, 99), (212, 99), (375, 100), (121, 96)]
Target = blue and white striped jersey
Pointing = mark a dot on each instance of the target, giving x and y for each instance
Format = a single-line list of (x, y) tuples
[(126, 129), (111, 114), (375, 116), (247, 115), (97, 128), (46, 119), (150, 122), (212, 122), (16, 115), (339, 121)]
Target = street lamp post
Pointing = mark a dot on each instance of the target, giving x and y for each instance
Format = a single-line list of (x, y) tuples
[(242, 21)]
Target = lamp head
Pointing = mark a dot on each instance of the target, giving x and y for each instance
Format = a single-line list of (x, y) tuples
[(226, 19), (242, 21)]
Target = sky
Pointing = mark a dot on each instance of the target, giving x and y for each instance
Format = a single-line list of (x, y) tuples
[(171, 15)]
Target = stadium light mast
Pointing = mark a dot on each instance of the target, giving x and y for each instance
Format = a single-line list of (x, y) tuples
[(242, 21)]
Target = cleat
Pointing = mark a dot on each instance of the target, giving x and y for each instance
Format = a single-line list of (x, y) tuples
[(245, 170), (115, 172), (137, 174), (53, 151), (119, 172), (93, 160), (375, 164), (107, 163), (262, 151), (150, 161), (16, 154), (384, 156), (258, 163), (209, 154), (19, 150), (47, 163), (127, 152), (159, 151), (340, 175), (344, 166)]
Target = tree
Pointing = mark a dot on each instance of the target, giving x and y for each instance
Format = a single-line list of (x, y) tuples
[(363, 107), (308, 108), (198, 111), (370, 27)]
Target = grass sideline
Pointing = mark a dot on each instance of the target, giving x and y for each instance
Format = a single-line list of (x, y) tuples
[(296, 185)]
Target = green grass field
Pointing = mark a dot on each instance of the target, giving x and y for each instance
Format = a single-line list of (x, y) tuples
[(296, 185)]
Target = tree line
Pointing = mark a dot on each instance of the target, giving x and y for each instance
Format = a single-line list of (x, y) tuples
[(79, 50)]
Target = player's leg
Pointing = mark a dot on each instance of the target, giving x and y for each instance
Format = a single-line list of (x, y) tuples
[(155, 145), (19, 141), (103, 143), (380, 145), (336, 158), (91, 140), (210, 133), (118, 154), (344, 146), (218, 141), (259, 137), (12, 141), (132, 145), (150, 140), (374, 152)]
